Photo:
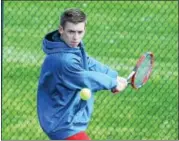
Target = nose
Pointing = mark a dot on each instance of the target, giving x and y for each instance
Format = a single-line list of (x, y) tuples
[(75, 36)]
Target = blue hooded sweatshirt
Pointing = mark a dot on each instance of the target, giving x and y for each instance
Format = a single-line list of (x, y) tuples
[(65, 71)]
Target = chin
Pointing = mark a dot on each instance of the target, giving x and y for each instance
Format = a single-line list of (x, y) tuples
[(74, 45)]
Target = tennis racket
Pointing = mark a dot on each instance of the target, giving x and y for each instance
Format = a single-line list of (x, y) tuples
[(142, 71)]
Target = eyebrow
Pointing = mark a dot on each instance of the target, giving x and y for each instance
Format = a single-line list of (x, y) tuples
[(75, 30)]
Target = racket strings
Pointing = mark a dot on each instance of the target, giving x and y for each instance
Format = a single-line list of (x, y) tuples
[(143, 71)]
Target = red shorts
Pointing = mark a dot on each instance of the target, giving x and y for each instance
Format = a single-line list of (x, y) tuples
[(79, 136)]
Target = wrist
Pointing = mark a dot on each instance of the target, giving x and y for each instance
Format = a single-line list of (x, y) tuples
[(114, 90)]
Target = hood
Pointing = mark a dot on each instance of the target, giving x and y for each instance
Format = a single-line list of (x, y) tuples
[(53, 44)]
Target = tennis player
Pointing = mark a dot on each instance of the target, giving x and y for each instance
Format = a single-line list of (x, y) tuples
[(66, 69)]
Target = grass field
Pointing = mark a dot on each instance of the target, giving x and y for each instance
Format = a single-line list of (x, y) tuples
[(117, 34)]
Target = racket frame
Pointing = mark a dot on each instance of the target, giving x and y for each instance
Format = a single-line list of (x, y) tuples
[(132, 75)]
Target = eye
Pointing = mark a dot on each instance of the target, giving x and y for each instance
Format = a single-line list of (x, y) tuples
[(71, 31), (80, 32)]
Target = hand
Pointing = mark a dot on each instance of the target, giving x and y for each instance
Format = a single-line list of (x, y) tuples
[(121, 85)]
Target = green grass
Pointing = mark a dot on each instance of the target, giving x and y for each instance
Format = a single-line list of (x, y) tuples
[(117, 34)]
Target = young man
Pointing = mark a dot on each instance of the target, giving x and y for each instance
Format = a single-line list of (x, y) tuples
[(66, 70)]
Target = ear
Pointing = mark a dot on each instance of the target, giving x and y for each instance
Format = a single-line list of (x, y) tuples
[(60, 30), (85, 29)]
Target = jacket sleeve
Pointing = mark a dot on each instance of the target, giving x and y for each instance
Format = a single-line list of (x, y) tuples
[(73, 76), (94, 65)]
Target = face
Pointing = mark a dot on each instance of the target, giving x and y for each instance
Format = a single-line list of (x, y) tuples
[(72, 33)]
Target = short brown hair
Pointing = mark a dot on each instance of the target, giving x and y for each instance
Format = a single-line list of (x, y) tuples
[(72, 15)]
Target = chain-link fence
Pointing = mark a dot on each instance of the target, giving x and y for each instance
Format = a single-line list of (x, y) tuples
[(118, 32)]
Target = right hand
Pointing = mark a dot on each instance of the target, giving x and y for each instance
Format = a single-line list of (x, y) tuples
[(121, 84)]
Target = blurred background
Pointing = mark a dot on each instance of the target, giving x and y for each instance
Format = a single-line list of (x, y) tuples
[(118, 32)]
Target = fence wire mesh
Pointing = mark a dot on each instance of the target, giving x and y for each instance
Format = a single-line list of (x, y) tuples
[(118, 32)]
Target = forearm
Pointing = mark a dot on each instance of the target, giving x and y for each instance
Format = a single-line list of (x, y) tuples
[(93, 80)]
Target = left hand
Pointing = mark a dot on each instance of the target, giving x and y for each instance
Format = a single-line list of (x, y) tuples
[(121, 84)]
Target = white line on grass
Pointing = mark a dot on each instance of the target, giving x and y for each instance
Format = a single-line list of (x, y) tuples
[(25, 57)]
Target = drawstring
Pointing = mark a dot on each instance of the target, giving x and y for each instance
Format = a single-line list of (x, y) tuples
[(84, 58)]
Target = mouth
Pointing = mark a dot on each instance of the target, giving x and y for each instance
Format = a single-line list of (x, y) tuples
[(74, 43)]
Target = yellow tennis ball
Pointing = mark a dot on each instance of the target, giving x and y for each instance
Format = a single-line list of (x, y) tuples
[(85, 94)]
